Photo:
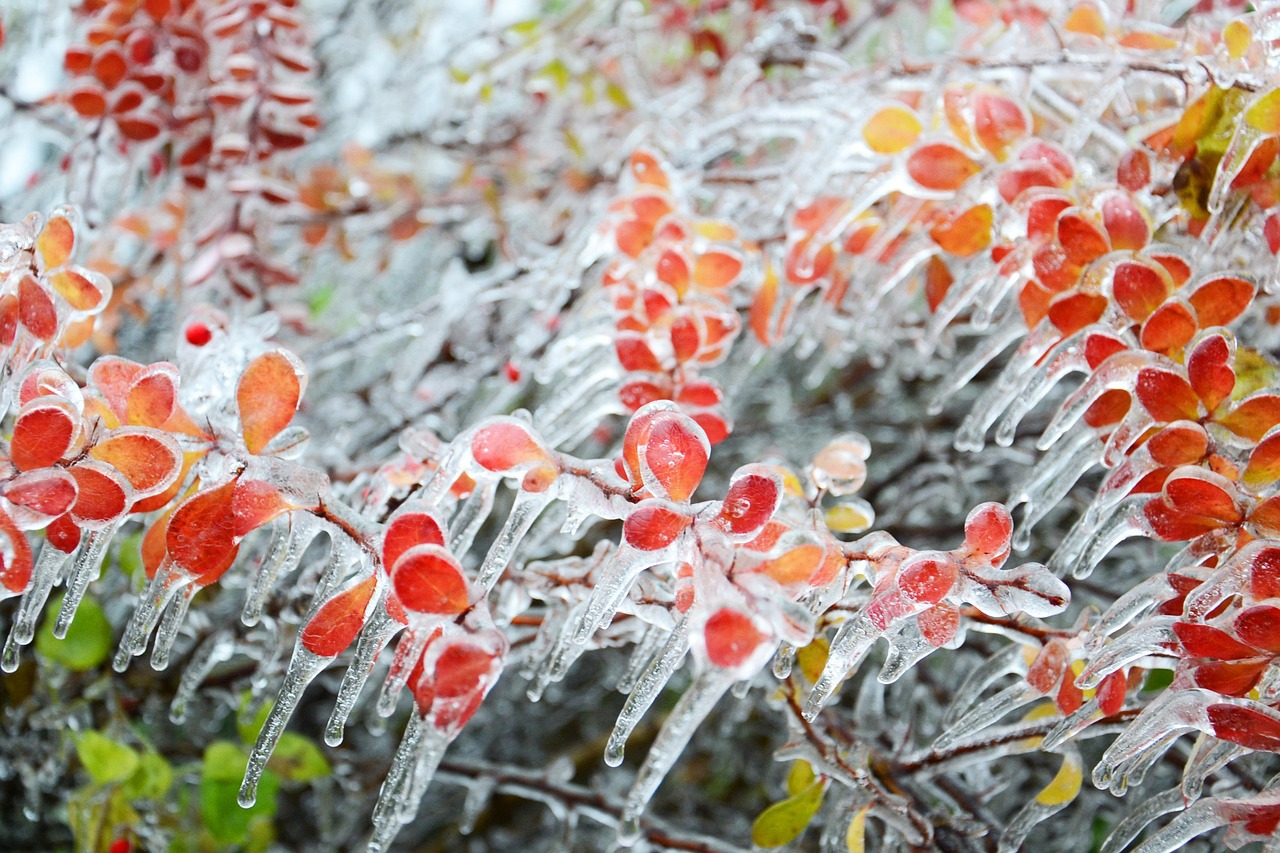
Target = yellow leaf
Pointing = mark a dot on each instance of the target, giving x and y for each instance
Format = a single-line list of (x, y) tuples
[(783, 822), (813, 658), (855, 837), (1236, 37), (800, 777), (1065, 786), (1264, 113)]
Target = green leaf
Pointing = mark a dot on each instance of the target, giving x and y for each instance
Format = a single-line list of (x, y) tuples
[(298, 759), (88, 640), (221, 774), (151, 780), (783, 822), (1157, 679), (106, 760)]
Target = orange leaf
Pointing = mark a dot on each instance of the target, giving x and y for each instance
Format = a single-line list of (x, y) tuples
[(149, 459), (940, 166), (269, 392), (56, 241)]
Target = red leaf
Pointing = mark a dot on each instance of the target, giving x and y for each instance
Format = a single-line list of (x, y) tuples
[(1139, 288), (1171, 327), (1259, 626), (200, 538), (926, 579), (35, 309), (652, 528), (1206, 641), (149, 459), (1230, 678), (940, 166), (507, 445), (753, 497), (1220, 300), (1166, 396), (103, 494), (1254, 416), (1247, 727), (338, 621), (731, 638), (674, 456), (407, 530), (427, 579), (42, 434)]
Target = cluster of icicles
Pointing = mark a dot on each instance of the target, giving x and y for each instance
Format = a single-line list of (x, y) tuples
[(733, 582)]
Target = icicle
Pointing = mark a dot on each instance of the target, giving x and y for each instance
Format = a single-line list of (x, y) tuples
[(783, 660), (43, 577), (986, 713), (479, 794), (84, 570), (303, 668), (524, 511), (1143, 813), (1151, 638), (690, 711), (343, 551), (213, 651), (1140, 745), (395, 785), (653, 639), (374, 637), (648, 687), (614, 582), (168, 581), (1065, 358), (412, 769), (1091, 539), (988, 347), (851, 644), (1008, 660), (907, 647), (279, 549), (556, 662), (449, 468), (1060, 469), (170, 625), (408, 650), (1208, 756), (1128, 607), (1117, 372), (1195, 821), (997, 396), (471, 516)]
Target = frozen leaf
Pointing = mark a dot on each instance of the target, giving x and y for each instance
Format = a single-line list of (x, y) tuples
[(267, 396), (782, 822), (43, 433), (335, 625), (56, 241), (427, 579), (148, 458)]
